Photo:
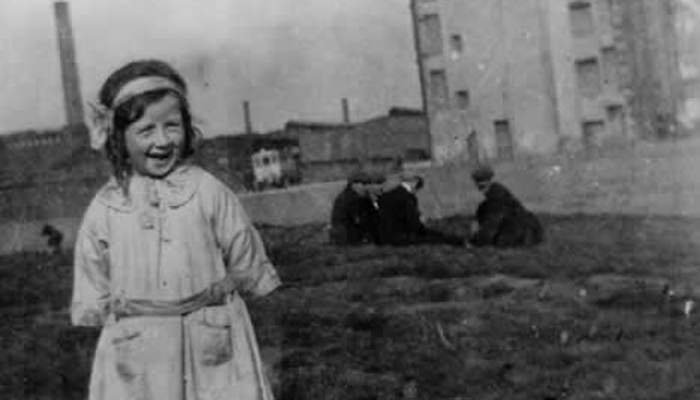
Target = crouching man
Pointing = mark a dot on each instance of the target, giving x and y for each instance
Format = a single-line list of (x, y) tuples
[(501, 220)]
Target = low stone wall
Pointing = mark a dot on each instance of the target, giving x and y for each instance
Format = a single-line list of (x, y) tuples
[(658, 179)]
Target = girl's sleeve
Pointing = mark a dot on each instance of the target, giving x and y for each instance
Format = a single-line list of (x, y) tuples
[(247, 264), (90, 302)]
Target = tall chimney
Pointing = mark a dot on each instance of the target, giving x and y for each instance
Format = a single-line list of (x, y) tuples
[(246, 116), (69, 69), (346, 111)]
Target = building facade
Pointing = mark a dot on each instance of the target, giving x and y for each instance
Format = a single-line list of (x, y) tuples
[(688, 31), (499, 80), (331, 151)]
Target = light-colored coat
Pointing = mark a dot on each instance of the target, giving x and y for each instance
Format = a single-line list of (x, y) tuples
[(169, 239)]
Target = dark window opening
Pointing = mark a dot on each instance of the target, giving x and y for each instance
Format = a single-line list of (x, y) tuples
[(456, 44), (463, 99), (588, 77), (592, 133), (438, 87), (581, 18), (504, 140), (430, 34)]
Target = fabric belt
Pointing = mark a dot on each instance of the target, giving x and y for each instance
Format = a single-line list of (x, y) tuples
[(122, 307)]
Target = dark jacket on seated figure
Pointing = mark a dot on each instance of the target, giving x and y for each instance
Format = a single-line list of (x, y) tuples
[(504, 222), (347, 218), (399, 218), (400, 224)]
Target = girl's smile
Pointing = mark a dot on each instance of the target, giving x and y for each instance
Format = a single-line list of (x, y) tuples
[(155, 141)]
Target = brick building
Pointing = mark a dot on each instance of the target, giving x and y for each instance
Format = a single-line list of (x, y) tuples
[(332, 151), (499, 80)]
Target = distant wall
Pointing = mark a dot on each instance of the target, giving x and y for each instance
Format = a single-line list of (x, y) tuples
[(645, 179), (22, 154), (341, 169), (331, 151), (387, 136)]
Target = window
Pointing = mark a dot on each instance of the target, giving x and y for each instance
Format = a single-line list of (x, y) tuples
[(455, 46), (463, 99), (588, 77), (430, 34), (610, 61), (438, 87), (616, 120), (504, 140), (592, 132), (581, 18)]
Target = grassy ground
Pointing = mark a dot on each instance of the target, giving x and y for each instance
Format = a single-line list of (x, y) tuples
[(588, 315)]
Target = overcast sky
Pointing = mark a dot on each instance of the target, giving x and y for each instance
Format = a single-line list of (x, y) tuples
[(292, 59)]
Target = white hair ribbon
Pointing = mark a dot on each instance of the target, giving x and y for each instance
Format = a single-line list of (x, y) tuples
[(101, 120), (102, 117)]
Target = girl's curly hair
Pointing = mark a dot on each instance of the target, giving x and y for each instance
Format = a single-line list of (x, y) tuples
[(133, 109)]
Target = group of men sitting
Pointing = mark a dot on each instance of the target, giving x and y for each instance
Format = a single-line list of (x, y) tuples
[(372, 209)]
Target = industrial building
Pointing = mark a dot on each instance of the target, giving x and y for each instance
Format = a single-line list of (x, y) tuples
[(501, 81), (331, 151)]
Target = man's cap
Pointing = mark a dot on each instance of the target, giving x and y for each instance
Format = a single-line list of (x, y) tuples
[(482, 173)]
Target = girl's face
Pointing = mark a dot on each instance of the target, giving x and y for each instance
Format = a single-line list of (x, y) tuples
[(155, 142)]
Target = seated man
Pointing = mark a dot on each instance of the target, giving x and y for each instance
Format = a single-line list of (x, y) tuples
[(501, 220), (370, 206), (349, 212), (399, 217)]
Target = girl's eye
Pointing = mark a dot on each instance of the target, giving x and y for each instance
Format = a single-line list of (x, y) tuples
[(146, 129)]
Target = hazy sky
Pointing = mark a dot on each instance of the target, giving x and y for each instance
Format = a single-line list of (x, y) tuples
[(292, 59)]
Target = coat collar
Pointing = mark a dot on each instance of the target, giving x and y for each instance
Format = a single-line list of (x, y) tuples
[(174, 190)]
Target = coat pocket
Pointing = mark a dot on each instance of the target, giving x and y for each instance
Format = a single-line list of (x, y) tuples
[(212, 336), (128, 349)]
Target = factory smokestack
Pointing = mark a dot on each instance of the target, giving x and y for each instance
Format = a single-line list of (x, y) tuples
[(246, 116), (346, 111), (69, 68)]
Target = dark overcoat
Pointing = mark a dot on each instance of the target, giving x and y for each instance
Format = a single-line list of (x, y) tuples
[(504, 221)]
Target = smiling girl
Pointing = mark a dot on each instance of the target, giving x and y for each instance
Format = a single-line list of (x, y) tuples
[(162, 253)]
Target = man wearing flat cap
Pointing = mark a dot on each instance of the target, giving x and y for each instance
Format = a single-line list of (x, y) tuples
[(349, 212), (501, 220), (399, 217)]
